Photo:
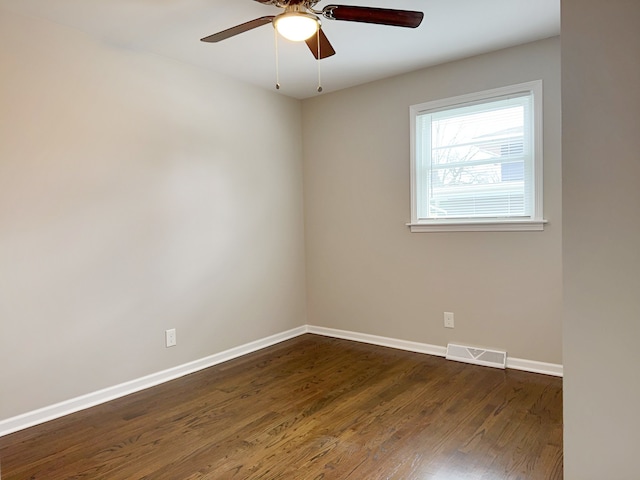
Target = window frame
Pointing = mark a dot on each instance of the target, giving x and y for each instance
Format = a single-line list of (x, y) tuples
[(536, 221)]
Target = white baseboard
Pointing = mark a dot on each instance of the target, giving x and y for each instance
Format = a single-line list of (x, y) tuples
[(533, 366), (514, 363), (381, 341), (73, 405)]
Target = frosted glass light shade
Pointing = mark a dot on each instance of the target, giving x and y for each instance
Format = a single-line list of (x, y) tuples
[(296, 26)]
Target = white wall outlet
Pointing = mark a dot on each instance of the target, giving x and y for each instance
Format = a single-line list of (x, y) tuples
[(448, 319), (170, 337)]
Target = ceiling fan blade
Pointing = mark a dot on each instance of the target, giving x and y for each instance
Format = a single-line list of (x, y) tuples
[(243, 27), (381, 16), (326, 50)]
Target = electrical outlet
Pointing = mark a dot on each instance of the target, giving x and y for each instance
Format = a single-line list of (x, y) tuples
[(448, 319), (170, 337)]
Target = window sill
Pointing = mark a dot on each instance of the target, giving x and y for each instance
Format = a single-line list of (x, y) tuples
[(478, 226)]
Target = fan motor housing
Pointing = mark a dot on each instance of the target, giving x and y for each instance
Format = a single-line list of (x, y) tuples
[(286, 3)]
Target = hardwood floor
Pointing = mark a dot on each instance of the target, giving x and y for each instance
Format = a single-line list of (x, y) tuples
[(310, 408)]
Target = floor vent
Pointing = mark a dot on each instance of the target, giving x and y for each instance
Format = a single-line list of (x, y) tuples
[(477, 356)]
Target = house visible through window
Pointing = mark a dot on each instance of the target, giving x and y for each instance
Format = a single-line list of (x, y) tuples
[(477, 161)]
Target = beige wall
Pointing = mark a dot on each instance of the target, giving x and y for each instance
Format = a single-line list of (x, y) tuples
[(367, 273), (601, 251), (136, 194)]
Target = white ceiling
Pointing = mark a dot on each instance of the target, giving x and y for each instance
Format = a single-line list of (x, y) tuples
[(451, 29)]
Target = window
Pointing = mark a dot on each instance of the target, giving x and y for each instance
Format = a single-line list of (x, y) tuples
[(476, 161)]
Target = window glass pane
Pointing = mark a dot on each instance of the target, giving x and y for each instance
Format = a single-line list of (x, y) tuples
[(475, 160)]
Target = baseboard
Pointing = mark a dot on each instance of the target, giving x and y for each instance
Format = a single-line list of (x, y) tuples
[(381, 341), (73, 405), (533, 366), (67, 407)]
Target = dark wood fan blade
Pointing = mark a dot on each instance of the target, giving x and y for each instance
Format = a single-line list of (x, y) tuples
[(326, 50), (382, 16), (243, 27)]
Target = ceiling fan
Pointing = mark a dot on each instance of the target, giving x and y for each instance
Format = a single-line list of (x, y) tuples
[(300, 22)]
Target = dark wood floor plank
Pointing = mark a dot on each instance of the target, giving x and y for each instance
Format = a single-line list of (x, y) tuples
[(310, 408)]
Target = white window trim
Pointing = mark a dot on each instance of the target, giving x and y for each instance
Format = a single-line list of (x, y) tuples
[(483, 224)]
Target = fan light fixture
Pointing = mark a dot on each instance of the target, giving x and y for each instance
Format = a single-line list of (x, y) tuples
[(296, 26), (300, 22)]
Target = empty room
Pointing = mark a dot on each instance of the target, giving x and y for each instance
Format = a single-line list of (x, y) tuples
[(404, 246)]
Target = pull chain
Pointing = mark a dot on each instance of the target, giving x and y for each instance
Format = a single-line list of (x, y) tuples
[(318, 60), (275, 41)]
